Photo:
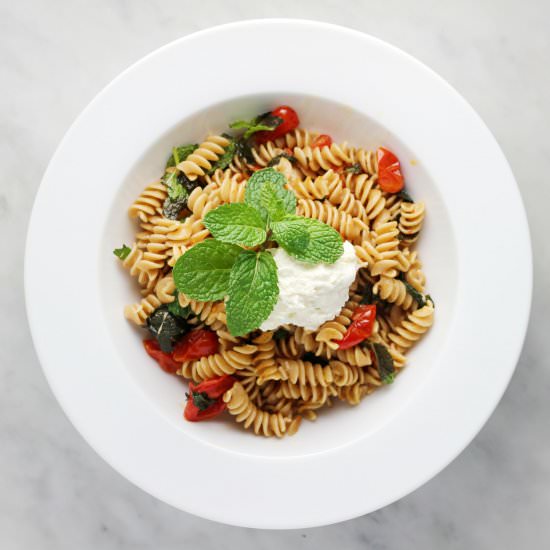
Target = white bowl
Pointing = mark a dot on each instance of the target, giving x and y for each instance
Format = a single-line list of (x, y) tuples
[(352, 460)]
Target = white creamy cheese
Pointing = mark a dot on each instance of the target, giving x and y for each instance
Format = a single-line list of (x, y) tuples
[(309, 294)]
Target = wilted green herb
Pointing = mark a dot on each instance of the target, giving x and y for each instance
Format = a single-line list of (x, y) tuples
[(122, 252), (166, 327)]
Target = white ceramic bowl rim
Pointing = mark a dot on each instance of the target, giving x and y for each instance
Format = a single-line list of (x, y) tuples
[(478, 355)]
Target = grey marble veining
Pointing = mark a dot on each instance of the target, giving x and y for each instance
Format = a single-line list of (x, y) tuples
[(55, 492)]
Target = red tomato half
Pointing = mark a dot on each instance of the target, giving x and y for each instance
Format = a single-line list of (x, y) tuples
[(290, 121), (165, 360), (195, 344), (323, 140), (214, 387), (390, 177), (362, 323), (194, 414)]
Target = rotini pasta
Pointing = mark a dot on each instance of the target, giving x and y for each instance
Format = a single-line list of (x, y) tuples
[(245, 412), (201, 160), (349, 227), (276, 378), (149, 203), (411, 216)]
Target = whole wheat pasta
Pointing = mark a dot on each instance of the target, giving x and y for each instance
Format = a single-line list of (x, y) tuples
[(279, 377)]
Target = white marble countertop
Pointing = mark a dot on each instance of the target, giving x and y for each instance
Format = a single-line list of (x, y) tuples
[(55, 491)]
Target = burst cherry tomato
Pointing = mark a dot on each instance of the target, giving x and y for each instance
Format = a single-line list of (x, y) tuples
[(390, 177), (206, 399), (194, 414), (214, 387), (165, 360), (361, 326), (323, 140), (195, 344), (290, 121)]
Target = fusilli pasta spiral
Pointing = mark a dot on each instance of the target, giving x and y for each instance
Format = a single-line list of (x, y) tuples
[(245, 412), (201, 160), (149, 203)]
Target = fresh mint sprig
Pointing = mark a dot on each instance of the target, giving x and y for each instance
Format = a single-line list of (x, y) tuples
[(219, 267)]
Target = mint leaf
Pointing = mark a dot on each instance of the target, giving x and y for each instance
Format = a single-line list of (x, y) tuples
[(325, 243), (254, 186), (253, 291), (202, 273), (384, 363), (179, 154), (277, 201), (292, 234), (225, 160), (236, 223), (122, 252)]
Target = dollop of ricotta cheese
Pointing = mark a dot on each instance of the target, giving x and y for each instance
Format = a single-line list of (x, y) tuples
[(310, 294)]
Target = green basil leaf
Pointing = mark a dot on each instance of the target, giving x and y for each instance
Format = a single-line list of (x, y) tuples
[(166, 328), (384, 363), (175, 309), (179, 154), (225, 160)]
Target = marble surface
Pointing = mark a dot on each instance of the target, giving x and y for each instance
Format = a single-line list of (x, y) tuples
[(55, 492)]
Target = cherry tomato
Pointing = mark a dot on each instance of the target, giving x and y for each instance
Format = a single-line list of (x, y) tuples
[(194, 414), (165, 360), (214, 390), (323, 140), (195, 344), (290, 121), (361, 326), (214, 387), (390, 177)]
